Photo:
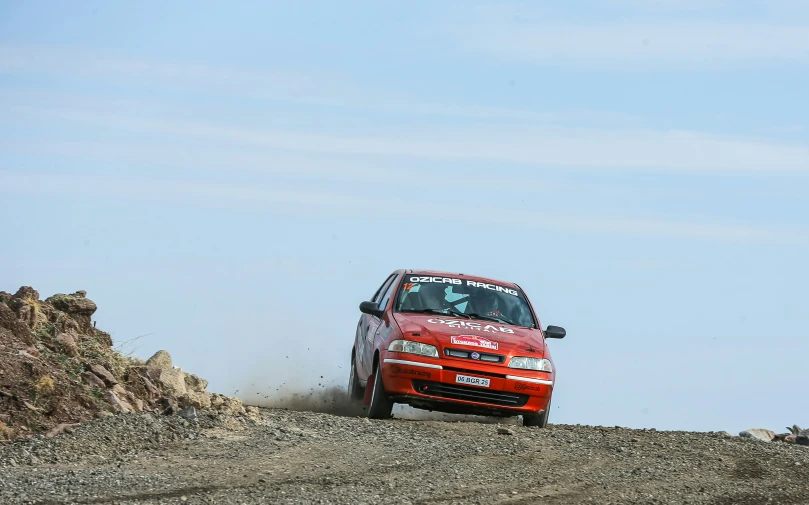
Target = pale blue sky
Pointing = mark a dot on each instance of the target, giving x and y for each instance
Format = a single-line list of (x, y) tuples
[(234, 179)]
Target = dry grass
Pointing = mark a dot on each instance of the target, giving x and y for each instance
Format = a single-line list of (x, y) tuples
[(6, 433), (94, 351), (36, 309), (44, 386)]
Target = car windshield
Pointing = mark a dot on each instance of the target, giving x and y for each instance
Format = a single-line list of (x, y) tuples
[(464, 298)]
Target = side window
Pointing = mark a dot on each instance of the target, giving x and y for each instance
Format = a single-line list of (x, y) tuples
[(388, 293), (382, 288)]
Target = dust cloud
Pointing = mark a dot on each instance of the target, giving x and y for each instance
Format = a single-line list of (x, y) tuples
[(284, 379), (334, 400)]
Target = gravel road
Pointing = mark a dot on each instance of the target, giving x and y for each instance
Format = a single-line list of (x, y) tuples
[(304, 457)]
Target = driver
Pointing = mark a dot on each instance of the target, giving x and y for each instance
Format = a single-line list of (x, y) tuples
[(488, 303), (432, 295)]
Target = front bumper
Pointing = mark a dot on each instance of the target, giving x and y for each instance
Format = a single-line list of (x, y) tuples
[(431, 383)]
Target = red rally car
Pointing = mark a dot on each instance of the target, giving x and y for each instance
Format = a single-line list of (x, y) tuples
[(452, 343)]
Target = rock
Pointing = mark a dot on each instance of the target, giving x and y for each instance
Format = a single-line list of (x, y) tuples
[(252, 412), (8, 320), (31, 407), (150, 387), (173, 381), (104, 414), (160, 360), (120, 391), (502, 430), (5, 297), (791, 439), (195, 383), (117, 403), (68, 341), (802, 438), (80, 294), (217, 401), (200, 400), (29, 311), (188, 413), (59, 429), (93, 381), (725, 434), (169, 406), (138, 404), (26, 293), (33, 351), (103, 374), (231, 405), (759, 434), (73, 304)]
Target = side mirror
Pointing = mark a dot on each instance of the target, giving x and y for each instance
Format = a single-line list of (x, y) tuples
[(555, 332), (370, 308)]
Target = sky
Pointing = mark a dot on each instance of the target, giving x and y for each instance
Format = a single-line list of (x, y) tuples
[(228, 181)]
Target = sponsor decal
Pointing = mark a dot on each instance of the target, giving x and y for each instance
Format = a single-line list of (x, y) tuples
[(492, 287), (471, 325), (458, 282), (409, 371), (475, 341), (440, 280), (408, 286), (527, 387), (475, 355)]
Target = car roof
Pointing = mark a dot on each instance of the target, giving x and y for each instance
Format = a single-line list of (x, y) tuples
[(438, 273)]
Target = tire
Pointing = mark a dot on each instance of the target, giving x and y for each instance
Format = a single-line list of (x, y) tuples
[(355, 389), (381, 405), (538, 420)]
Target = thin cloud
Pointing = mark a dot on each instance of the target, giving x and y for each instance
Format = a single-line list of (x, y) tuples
[(636, 45), (566, 148), (267, 85), (335, 205)]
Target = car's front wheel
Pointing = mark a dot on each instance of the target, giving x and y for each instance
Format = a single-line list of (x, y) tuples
[(539, 420), (355, 389), (381, 405)]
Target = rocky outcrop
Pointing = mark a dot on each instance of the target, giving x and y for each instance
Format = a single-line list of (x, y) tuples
[(57, 369), (759, 434)]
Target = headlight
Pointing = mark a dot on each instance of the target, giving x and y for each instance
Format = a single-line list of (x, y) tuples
[(413, 348), (541, 364)]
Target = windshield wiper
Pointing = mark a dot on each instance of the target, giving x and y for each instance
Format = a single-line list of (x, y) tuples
[(475, 315), (443, 312)]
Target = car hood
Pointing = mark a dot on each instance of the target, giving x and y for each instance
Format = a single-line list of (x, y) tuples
[(473, 334)]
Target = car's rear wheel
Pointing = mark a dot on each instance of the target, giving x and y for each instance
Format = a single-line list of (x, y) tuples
[(539, 420), (381, 405), (355, 389)]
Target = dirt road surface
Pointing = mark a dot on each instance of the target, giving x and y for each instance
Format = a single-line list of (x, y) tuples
[(304, 457)]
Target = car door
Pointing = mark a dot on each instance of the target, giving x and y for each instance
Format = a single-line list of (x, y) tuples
[(382, 326), (366, 329)]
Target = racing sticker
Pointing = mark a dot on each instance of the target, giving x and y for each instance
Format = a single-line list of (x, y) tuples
[(440, 280), (521, 386), (458, 282), (475, 341), (472, 325), (396, 369)]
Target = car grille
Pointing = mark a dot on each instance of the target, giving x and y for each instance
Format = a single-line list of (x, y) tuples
[(472, 394), (482, 356)]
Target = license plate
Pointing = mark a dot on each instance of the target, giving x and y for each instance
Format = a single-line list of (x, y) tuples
[(473, 381)]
